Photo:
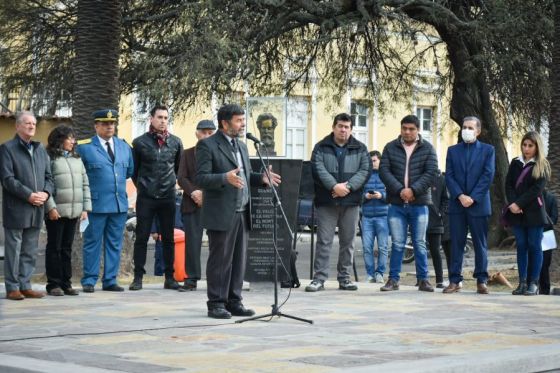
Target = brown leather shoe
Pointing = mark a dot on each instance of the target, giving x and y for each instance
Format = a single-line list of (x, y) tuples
[(424, 285), (452, 288), (30, 293), (14, 295), (481, 288)]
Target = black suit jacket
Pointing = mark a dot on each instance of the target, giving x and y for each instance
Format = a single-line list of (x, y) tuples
[(214, 158)]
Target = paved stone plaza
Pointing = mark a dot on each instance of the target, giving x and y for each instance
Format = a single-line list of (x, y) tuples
[(156, 330)]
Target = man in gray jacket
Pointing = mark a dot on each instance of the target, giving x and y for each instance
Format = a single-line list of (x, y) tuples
[(340, 166), (26, 184)]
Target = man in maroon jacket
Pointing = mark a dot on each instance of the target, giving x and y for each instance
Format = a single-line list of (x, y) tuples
[(190, 206)]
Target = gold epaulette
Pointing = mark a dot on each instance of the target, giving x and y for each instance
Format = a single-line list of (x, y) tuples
[(84, 141)]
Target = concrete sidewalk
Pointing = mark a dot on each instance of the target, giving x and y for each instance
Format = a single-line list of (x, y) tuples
[(156, 330)]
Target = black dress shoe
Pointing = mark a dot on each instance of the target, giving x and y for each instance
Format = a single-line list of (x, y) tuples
[(136, 283), (189, 285), (88, 288), (239, 309), (219, 313), (114, 287), (171, 284)]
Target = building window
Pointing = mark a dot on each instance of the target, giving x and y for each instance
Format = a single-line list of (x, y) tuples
[(360, 114), (296, 137), (425, 115)]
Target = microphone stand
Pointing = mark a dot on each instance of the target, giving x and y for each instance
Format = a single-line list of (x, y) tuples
[(277, 205)]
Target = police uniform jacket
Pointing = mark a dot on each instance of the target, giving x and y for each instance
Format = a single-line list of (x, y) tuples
[(107, 180)]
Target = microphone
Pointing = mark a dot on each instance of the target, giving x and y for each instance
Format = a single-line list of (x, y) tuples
[(250, 136)]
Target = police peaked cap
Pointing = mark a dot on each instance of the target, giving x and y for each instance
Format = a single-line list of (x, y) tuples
[(105, 115)]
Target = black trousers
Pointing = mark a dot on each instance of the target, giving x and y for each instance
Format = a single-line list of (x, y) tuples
[(226, 263), (544, 280), (446, 245), (434, 243), (193, 237), (58, 253), (146, 209)]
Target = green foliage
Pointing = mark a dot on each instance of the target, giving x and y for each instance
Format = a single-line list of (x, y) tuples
[(183, 52)]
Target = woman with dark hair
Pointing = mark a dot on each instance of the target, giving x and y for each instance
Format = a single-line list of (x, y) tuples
[(525, 182), (70, 201)]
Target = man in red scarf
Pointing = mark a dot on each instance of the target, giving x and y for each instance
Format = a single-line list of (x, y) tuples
[(157, 154)]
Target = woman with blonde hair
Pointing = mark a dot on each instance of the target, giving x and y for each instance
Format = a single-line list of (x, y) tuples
[(525, 182)]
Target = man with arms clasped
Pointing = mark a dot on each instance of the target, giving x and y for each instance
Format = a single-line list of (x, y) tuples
[(340, 166), (27, 184), (469, 172), (407, 169), (224, 174)]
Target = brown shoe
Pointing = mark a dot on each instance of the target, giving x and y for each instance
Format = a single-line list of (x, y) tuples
[(56, 292), (424, 285), (391, 285), (452, 288), (30, 293), (14, 295), (481, 288), (71, 291)]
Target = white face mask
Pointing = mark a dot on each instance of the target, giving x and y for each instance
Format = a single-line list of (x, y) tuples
[(468, 135)]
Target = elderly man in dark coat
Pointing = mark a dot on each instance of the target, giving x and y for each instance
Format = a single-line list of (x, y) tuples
[(26, 184)]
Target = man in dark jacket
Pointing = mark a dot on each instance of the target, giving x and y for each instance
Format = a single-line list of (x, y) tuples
[(156, 154), (27, 184), (191, 204), (469, 171), (407, 169), (340, 166), (374, 222), (223, 172)]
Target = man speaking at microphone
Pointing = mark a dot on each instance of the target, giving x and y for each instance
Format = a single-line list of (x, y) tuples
[(224, 174)]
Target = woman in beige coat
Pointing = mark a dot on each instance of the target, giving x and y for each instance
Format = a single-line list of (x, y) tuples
[(70, 202)]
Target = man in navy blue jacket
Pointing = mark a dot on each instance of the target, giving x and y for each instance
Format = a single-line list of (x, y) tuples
[(374, 222), (470, 168)]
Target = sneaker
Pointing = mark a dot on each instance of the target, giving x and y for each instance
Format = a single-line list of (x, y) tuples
[(370, 279), (390, 285), (347, 285), (315, 285), (379, 278)]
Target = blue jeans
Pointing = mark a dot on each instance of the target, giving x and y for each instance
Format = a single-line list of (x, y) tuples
[(372, 228), (529, 241), (401, 217)]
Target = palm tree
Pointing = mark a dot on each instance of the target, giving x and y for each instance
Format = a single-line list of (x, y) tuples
[(96, 65)]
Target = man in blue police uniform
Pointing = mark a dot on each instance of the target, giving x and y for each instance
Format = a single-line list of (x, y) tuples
[(108, 162)]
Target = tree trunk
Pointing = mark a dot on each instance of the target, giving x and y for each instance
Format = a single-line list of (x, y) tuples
[(471, 97), (96, 86), (554, 132), (96, 67)]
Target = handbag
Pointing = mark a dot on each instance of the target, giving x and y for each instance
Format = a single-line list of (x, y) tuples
[(505, 217)]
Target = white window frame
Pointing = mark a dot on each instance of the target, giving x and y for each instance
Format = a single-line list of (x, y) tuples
[(359, 110), (420, 113)]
